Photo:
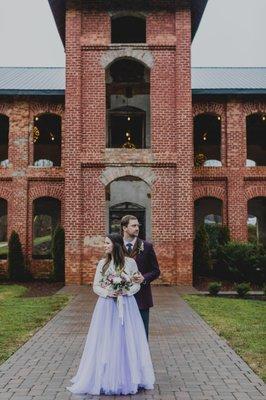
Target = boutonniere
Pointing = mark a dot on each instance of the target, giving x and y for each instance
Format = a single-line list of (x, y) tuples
[(140, 247)]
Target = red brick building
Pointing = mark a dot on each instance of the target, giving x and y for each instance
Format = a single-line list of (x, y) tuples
[(129, 135)]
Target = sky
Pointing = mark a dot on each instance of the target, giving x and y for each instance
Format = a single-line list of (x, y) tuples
[(232, 33)]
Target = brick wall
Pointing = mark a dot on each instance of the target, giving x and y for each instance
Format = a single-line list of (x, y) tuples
[(88, 167)]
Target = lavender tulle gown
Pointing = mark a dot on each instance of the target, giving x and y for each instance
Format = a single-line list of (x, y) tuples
[(116, 357)]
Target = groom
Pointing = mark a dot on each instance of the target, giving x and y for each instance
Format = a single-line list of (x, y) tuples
[(147, 263)]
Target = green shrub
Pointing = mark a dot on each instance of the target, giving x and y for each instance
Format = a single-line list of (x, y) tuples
[(16, 262), (214, 288), (239, 262), (242, 289), (58, 254), (218, 236), (202, 263)]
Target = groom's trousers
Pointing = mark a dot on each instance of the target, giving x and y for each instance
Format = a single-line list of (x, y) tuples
[(145, 314)]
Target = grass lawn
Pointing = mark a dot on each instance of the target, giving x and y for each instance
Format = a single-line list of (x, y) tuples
[(21, 317), (241, 322)]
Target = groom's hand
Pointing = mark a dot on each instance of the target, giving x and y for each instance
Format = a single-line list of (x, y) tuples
[(138, 278)]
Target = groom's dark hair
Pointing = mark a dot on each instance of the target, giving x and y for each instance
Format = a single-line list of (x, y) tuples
[(125, 221)]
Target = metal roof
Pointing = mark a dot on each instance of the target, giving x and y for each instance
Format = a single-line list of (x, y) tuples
[(51, 80), (222, 80), (32, 81), (58, 8)]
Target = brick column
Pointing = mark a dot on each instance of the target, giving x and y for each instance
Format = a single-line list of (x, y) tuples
[(236, 156), (73, 183), (184, 132), (18, 155)]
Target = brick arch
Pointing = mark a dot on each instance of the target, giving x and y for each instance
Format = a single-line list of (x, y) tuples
[(208, 108), (5, 194), (4, 109), (125, 13), (143, 56), (209, 191), (256, 191), (112, 173), (41, 108), (46, 191), (254, 108)]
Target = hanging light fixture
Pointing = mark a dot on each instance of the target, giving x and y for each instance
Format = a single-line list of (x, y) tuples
[(52, 136), (204, 137)]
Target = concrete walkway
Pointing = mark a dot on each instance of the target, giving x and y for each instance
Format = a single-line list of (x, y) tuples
[(191, 362)]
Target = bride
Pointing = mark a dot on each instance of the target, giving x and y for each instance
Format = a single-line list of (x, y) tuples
[(116, 358)]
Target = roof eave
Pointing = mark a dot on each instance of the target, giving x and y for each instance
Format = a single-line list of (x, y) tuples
[(228, 91), (58, 8), (32, 92)]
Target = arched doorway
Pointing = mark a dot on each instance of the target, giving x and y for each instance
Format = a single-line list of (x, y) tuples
[(129, 195)]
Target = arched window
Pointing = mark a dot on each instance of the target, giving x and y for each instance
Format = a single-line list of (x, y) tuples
[(128, 104), (207, 140), (4, 131), (46, 216), (208, 210), (256, 139), (47, 140), (3, 229), (128, 29), (256, 222)]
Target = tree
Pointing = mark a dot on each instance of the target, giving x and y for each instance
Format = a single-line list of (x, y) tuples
[(202, 262), (16, 262), (58, 253)]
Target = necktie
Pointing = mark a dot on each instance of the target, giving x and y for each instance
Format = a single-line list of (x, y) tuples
[(129, 247)]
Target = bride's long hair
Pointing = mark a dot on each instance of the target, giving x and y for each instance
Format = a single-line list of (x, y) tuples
[(118, 253)]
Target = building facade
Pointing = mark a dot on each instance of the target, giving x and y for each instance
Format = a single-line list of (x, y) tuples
[(130, 135)]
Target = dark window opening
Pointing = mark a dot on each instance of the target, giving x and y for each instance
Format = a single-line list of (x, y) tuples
[(256, 140), (128, 105), (128, 29), (207, 140), (47, 140), (4, 130), (208, 211), (256, 222), (127, 128), (46, 216)]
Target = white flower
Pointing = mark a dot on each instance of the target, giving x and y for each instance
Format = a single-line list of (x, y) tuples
[(117, 279)]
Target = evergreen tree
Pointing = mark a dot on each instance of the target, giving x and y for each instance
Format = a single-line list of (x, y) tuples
[(58, 253), (16, 262), (202, 262)]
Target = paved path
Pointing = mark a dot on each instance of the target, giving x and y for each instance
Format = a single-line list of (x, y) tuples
[(191, 362)]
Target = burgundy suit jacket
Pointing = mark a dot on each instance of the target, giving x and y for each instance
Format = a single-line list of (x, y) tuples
[(147, 263)]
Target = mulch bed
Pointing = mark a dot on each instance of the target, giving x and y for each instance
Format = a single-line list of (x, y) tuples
[(203, 282), (38, 288)]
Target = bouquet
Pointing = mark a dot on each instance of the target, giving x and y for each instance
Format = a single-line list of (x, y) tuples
[(117, 283)]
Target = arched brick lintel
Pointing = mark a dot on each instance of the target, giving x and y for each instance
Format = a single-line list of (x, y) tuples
[(256, 191), (112, 173), (209, 191), (47, 191), (143, 56)]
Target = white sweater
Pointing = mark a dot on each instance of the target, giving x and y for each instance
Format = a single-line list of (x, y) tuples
[(130, 269)]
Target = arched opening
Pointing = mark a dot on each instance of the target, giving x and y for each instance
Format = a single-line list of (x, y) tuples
[(207, 140), (256, 221), (208, 211), (46, 216), (256, 139), (128, 29), (47, 140), (129, 195), (128, 104), (4, 133), (3, 229)]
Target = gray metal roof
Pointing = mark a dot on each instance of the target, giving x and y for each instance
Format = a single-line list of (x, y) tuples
[(31, 81), (228, 80), (51, 81)]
